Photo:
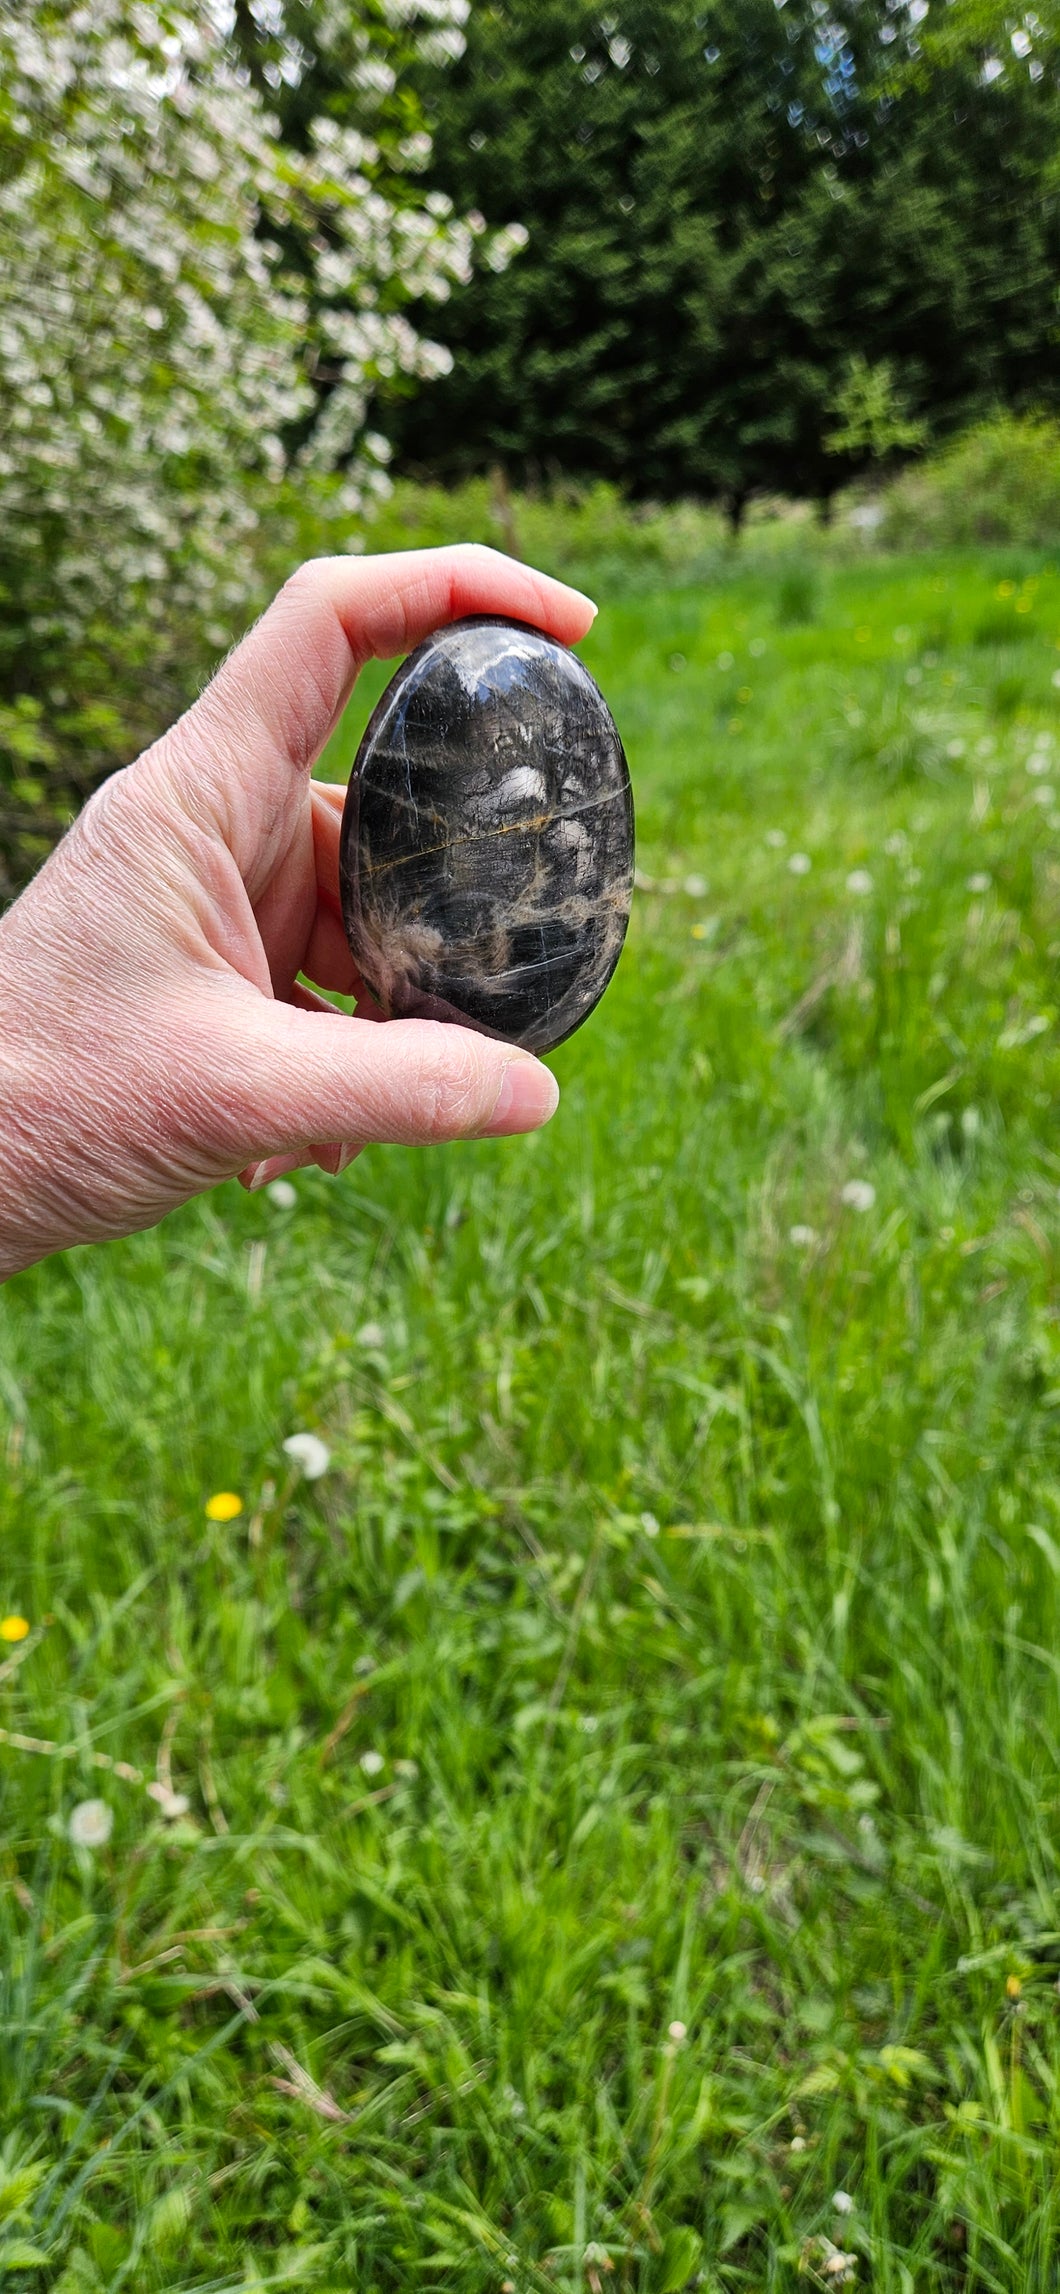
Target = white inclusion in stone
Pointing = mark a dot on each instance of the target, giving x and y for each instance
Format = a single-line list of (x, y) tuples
[(521, 786), (571, 837)]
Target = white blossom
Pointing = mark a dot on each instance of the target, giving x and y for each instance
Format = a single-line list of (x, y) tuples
[(159, 349)]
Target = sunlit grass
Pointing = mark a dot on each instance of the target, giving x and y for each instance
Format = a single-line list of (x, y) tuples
[(672, 1637)]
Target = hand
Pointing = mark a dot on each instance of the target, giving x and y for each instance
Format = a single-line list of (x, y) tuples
[(153, 1036)]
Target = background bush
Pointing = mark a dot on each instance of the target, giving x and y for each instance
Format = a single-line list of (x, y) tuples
[(194, 306), (1000, 482)]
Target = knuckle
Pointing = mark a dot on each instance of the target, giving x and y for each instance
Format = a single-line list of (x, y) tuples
[(307, 579), (476, 556), (105, 827)]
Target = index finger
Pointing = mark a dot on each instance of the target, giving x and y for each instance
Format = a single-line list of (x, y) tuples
[(273, 703)]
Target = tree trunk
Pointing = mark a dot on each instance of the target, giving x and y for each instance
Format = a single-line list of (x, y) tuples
[(504, 515)]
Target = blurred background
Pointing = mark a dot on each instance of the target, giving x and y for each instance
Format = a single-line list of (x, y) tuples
[(623, 284)]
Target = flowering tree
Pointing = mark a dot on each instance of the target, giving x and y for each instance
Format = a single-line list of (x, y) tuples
[(193, 310)]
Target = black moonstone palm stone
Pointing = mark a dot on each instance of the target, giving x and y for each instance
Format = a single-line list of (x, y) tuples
[(486, 860)]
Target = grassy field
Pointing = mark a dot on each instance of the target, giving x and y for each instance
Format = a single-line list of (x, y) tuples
[(607, 1827)]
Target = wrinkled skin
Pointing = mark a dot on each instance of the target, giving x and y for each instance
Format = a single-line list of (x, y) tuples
[(154, 1039)]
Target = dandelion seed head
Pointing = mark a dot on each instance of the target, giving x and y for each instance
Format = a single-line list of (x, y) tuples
[(172, 1804), (282, 1194), (859, 881), (980, 882), (802, 1237), (858, 1194), (800, 864), (372, 1763), (309, 1452), (678, 2031), (842, 2202), (776, 839), (90, 1824)]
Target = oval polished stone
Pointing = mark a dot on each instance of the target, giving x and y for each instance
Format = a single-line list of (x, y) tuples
[(486, 859)]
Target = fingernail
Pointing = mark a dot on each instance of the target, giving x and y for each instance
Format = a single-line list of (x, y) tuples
[(335, 1158), (528, 1095)]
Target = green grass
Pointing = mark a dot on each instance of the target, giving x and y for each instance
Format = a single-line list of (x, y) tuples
[(690, 1556)]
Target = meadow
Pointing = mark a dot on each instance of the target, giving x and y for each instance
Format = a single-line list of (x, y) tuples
[(603, 1831)]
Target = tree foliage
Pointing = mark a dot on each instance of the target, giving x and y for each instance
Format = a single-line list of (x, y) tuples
[(192, 309), (725, 205)]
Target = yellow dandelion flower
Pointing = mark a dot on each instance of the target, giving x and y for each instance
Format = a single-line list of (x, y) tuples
[(13, 1628), (1013, 1986), (1005, 589), (223, 1506)]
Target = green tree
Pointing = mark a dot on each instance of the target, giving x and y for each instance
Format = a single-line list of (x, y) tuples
[(872, 416), (725, 204)]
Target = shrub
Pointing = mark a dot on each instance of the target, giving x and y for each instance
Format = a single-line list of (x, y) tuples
[(999, 482), (191, 311)]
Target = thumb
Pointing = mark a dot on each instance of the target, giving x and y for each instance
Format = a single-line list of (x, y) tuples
[(307, 1076)]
